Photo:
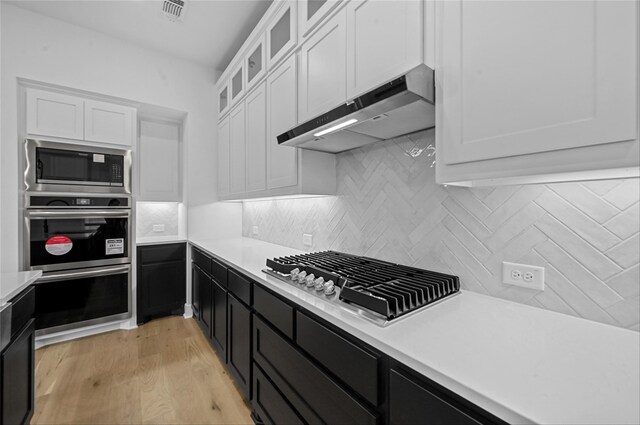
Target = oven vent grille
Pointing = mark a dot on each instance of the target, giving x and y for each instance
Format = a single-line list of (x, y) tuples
[(173, 10)]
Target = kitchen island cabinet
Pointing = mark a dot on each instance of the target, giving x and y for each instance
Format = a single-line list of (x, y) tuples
[(17, 360)]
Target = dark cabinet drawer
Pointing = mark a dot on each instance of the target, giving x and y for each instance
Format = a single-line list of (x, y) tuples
[(356, 367), (272, 407), (413, 401), (161, 253), (276, 311), (313, 389), (219, 272), (201, 259), (22, 309), (240, 287)]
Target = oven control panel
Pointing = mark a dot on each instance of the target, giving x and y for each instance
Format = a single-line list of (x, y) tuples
[(36, 201)]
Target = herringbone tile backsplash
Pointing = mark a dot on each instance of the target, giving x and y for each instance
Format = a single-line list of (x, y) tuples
[(585, 234)]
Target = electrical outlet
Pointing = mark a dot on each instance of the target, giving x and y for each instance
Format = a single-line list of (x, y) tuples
[(526, 276), (158, 228), (307, 239), (254, 230)]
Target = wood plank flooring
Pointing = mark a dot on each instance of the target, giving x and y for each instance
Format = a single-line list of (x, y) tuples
[(164, 372)]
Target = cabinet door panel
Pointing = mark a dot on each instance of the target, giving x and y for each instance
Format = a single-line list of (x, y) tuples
[(162, 287), (282, 165), (54, 114), (255, 63), (223, 157), (196, 276), (206, 303), (311, 13), (17, 365), (239, 348), (159, 161), (237, 167), (384, 40), (219, 329), (108, 123), (513, 80), (256, 139), (282, 33), (323, 68)]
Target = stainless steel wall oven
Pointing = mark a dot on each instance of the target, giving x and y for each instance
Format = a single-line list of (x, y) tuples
[(78, 229)]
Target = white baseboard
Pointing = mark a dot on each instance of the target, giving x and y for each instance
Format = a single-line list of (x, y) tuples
[(188, 311)]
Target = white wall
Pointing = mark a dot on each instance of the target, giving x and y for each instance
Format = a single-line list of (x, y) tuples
[(36, 47)]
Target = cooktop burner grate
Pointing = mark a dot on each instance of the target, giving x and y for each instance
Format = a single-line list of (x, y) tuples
[(387, 289)]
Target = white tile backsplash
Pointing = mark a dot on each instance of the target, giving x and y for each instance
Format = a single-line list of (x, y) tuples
[(585, 234), (149, 214)]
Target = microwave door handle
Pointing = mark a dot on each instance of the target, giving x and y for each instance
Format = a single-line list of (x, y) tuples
[(79, 214), (103, 271)]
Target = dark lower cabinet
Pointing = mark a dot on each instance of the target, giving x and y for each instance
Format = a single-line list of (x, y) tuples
[(219, 311), (239, 339), (17, 363), (205, 293), (297, 368), (161, 288)]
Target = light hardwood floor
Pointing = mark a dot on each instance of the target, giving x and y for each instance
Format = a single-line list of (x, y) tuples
[(164, 372)]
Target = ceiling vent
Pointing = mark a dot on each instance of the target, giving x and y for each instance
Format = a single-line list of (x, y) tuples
[(173, 10)]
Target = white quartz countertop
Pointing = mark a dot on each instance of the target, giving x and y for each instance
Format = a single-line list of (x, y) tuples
[(11, 284), (521, 363), (158, 240)]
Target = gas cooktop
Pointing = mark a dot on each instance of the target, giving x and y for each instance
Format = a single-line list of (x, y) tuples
[(378, 290)]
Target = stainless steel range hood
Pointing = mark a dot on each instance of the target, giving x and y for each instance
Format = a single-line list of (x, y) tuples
[(401, 106)]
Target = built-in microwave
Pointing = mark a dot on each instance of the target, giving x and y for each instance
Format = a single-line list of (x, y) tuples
[(62, 167)]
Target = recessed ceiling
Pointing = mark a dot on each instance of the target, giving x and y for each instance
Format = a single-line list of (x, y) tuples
[(210, 34)]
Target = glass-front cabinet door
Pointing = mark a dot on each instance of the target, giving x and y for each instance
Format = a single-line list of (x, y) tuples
[(255, 62), (237, 83), (311, 12), (223, 100), (282, 32)]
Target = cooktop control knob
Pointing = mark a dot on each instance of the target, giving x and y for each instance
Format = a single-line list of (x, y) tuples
[(294, 273), (319, 284), (309, 280), (329, 288), (301, 276)]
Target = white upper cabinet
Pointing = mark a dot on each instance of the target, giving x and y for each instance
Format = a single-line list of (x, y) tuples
[(71, 117), (223, 157), (282, 166), (223, 99), (282, 32), (323, 67), (384, 40), (237, 151), (528, 77), (255, 63), (54, 114), (311, 13), (108, 123), (256, 138), (159, 159)]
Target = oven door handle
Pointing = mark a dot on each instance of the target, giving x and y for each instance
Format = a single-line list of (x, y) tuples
[(39, 214), (81, 274)]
